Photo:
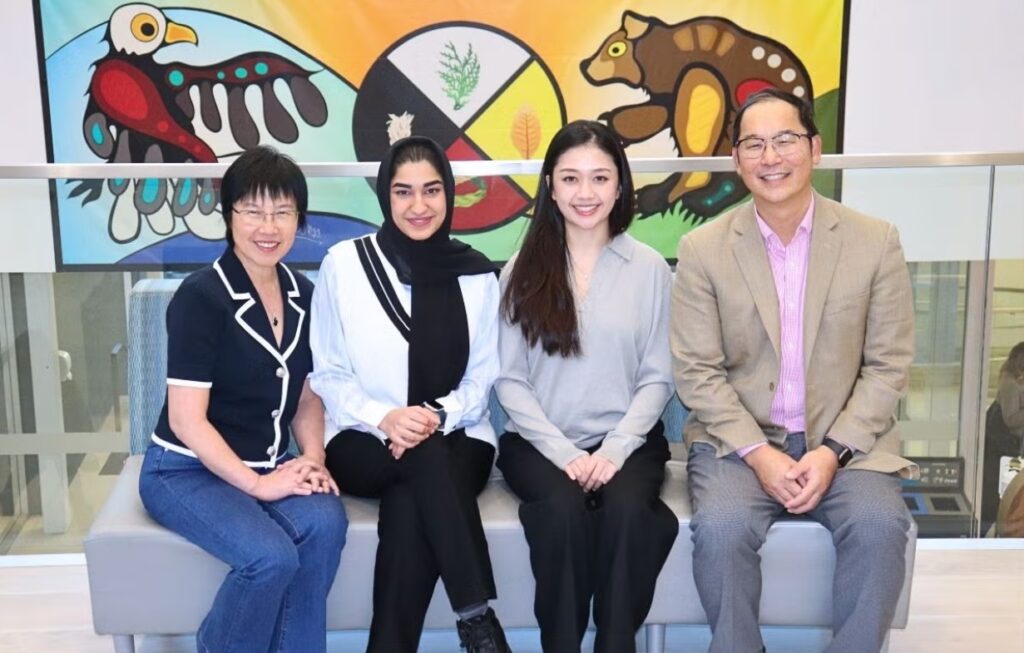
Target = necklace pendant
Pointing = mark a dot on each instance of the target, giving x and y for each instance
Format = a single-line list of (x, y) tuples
[(274, 320)]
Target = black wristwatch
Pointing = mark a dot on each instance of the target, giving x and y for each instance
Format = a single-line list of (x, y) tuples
[(842, 452), (436, 407)]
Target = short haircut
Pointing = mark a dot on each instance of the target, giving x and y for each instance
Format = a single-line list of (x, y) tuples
[(802, 106), (261, 171)]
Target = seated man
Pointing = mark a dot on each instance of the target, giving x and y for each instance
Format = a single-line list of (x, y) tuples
[(792, 336)]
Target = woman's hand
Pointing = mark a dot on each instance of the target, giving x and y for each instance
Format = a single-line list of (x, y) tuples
[(284, 481), (396, 450), (591, 471), (407, 427), (579, 468), (318, 477), (601, 472)]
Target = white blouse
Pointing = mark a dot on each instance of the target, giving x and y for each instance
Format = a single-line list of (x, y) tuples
[(361, 361)]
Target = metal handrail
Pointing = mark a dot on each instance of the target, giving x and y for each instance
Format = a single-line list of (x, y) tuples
[(510, 167)]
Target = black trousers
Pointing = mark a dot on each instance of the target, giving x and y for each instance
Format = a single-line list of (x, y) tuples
[(429, 526), (609, 545)]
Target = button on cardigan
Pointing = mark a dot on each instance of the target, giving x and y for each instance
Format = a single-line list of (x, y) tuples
[(219, 337)]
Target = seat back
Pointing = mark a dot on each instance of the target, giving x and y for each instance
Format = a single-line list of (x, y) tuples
[(147, 356)]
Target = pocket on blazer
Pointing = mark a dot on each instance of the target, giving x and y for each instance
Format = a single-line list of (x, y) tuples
[(846, 302)]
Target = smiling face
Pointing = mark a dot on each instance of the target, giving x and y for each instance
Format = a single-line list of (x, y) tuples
[(585, 186), (418, 202), (780, 185), (263, 229)]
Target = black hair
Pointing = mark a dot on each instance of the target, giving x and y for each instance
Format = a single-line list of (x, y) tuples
[(259, 171), (802, 106), (539, 296), (413, 151)]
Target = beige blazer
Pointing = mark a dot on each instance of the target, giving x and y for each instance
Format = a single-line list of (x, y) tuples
[(858, 334)]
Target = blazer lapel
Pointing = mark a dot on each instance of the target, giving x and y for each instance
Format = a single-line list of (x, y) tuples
[(238, 285), (295, 315), (824, 256), (757, 272)]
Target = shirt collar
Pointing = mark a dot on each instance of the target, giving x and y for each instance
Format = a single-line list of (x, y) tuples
[(623, 245), (237, 280), (771, 237)]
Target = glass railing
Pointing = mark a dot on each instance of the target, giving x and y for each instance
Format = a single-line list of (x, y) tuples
[(65, 412)]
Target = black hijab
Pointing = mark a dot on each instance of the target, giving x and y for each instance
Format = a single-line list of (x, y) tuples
[(439, 339)]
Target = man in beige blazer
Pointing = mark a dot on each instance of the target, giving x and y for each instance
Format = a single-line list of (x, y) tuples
[(792, 338)]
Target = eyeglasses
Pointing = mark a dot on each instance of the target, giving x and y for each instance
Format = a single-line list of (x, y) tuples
[(257, 217), (784, 144)]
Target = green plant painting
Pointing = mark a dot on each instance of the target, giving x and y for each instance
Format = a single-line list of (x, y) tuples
[(460, 73)]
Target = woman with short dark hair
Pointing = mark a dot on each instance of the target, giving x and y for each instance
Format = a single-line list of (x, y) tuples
[(585, 376), (218, 471)]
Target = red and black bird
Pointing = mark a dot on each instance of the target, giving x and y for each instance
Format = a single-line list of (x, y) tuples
[(143, 111)]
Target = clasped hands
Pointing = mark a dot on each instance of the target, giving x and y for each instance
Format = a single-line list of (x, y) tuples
[(798, 485), (408, 426), (591, 471), (299, 476)]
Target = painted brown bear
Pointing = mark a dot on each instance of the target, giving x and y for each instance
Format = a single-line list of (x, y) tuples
[(697, 72)]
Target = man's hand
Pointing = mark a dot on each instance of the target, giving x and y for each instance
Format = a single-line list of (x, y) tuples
[(814, 472), (772, 468)]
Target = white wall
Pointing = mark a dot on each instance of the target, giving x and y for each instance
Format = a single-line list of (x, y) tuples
[(27, 245), (935, 76), (22, 105), (922, 76), (938, 76)]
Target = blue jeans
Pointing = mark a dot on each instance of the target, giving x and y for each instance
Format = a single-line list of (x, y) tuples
[(283, 554)]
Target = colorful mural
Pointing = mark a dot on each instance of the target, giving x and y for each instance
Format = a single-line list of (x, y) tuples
[(328, 81)]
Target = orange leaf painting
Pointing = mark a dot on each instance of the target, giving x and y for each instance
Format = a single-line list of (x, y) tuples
[(525, 131)]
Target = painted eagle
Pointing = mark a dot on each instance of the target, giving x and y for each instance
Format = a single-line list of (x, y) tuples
[(143, 111)]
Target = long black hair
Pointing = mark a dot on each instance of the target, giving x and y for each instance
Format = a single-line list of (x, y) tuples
[(539, 295)]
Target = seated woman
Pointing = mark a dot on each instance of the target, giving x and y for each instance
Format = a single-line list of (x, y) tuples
[(1011, 395), (404, 342), (218, 470), (1004, 432), (585, 375)]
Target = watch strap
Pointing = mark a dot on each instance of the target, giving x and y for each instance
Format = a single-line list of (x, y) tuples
[(842, 452), (442, 414)]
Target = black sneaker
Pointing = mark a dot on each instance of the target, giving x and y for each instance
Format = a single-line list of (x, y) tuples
[(482, 634)]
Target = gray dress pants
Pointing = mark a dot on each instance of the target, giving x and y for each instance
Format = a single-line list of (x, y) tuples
[(863, 510)]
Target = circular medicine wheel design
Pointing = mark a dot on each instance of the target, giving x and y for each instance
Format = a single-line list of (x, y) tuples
[(481, 94)]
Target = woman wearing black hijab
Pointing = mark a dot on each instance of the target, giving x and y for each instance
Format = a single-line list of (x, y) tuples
[(404, 336)]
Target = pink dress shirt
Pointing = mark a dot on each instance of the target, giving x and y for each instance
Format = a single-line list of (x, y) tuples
[(789, 270)]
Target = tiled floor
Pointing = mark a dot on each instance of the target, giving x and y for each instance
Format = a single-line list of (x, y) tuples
[(963, 601)]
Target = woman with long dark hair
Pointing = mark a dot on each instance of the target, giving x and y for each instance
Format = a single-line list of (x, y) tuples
[(404, 340), (585, 376)]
